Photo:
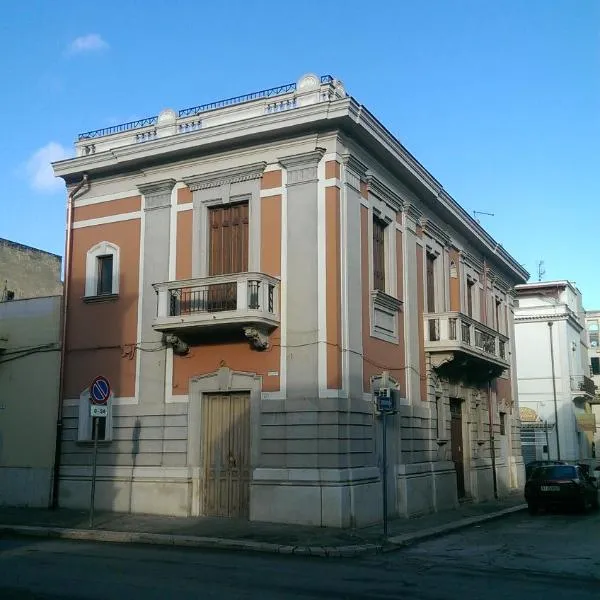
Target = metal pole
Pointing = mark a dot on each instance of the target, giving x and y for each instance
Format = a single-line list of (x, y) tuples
[(550, 323), (94, 472), (492, 441), (384, 476)]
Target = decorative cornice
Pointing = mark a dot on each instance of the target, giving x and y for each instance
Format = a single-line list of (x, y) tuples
[(157, 194), (305, 159), (386, 301), (382, 191), (411, 211), (434, 231), (157, 187), (226, 176), (352, 163), (473, 261)]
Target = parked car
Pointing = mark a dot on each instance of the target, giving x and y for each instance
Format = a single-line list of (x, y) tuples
[(530, 467), (562, 485)]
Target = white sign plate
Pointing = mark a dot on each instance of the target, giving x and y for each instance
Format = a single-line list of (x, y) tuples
[(98, 411)]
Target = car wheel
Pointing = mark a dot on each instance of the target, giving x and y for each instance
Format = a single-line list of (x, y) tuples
[(533, 508)]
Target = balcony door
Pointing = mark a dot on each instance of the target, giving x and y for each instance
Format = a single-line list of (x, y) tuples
[(228, 252)]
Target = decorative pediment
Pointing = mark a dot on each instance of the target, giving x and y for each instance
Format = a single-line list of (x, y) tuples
[(224, 177)]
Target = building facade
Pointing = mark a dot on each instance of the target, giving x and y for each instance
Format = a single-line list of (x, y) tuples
[(592, 321), (30, 316), (556, 392), (246, 273)]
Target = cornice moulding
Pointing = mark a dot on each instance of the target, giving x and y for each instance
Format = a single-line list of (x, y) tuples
[(226, 176), (382, 191), (154, 188), (434, 231), (305, 159)]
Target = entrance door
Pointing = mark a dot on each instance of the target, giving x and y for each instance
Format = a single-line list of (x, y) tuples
[(457, 444), (226, 453)]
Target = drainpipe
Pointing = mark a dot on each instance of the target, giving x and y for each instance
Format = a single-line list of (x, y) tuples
[(492, 440), (61, 386)]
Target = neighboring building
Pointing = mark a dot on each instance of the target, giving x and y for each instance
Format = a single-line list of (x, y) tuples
[(27, 272), (553, 311), (244, 273), (29, 373), (592, 320)]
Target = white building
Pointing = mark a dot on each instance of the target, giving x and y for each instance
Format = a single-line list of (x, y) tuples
[(555, 390), (592, 321)]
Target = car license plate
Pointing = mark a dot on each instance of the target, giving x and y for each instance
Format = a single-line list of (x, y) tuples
[(550, 488)]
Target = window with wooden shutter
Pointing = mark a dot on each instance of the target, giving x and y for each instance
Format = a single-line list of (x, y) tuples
[(378, 254), (430, 282), (228, 252)]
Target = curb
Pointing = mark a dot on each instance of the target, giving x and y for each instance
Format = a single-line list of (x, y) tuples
[(190, 541), (402, 541)]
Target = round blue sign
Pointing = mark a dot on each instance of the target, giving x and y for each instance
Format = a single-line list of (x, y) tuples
[(100, 390)]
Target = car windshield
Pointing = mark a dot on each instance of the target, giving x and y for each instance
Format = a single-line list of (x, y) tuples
[(556, 472)]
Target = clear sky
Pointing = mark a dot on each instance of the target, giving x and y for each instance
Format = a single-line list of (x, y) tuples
[(499, 99)]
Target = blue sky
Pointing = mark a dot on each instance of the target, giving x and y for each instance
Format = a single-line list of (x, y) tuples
[(500, 100)]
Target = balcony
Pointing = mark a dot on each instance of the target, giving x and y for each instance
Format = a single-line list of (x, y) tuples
[(247, 302), (583, 389), (463, 349)]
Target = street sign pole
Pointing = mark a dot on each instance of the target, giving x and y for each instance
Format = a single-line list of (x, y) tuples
[(384, 477), (99, 401), (94, 460)]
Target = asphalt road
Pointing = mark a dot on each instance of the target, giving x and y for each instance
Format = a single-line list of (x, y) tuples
[(548, 556)]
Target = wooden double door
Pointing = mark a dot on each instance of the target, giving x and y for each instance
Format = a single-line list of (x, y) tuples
[(226, 454), (457, 446)]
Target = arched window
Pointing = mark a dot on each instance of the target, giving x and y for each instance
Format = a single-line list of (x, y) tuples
[(102, 270)]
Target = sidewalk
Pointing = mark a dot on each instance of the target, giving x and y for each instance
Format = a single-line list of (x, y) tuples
[(205, 532)]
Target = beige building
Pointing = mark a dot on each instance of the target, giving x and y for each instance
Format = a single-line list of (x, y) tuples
[(244, 272), (29, 374)]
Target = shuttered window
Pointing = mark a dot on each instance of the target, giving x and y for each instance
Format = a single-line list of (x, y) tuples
[(378, 254), (430, 283), (228, 239)]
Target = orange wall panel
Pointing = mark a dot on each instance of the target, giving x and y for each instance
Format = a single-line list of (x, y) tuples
[(421, 326), (184, 195), (238, 356), (270, 235), (183, 259), (332, 169), (101, 336), (455, 282), (107, 209), (378, 355), (333, 287), (271, 179)]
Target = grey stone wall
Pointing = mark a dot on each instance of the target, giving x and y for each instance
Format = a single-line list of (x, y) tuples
[(28, 272)]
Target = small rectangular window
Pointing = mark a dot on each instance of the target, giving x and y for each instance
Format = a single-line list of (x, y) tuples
[(502, 423), (378, 254), (595, 365), (105, 275)]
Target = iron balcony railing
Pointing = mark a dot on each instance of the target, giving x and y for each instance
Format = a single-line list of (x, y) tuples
[(455, 330), (196, 110), (583, 383), (238, 297)]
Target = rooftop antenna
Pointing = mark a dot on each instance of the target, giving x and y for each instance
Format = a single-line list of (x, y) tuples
[(479, 212), (541, 270)]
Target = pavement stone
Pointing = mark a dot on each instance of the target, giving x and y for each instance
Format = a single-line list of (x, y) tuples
[(231, 534)]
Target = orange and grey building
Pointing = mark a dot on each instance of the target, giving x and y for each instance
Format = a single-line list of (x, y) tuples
[(247, 273)]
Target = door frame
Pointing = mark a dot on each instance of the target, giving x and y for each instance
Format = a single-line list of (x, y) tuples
[(222, 381)]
